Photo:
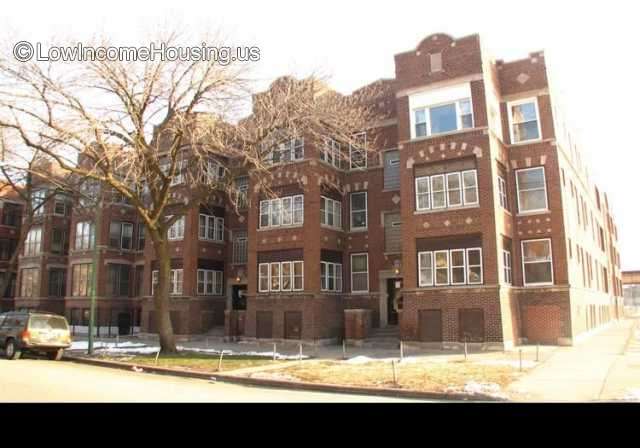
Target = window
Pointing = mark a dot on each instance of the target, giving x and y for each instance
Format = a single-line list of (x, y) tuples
[(330, 276), (57, 282), (441, 191), (439, 119), (33, 242), (37, 202), (89, 192), (60, 205), (81, 279), (281, 276), (11, 214), (85, 235), (58, 241), (282, 211), (502, 193), (210, 282), (242, 189), (290, 149), (120, 235), (240, 247), (330, 212), (392, 170), (532, 190), (141, 237), (359, 210), (506, 267), (392, 233), (7, 248), (30, 282), (176, 231), (214, 171), (425, 268), (175, 282), (179, 173), (435, 62), (358, 151), (537, 263), (450, 267), (210, 228), (118, 280), (139, 278), (524, 121), (359, 273), (330, 153)]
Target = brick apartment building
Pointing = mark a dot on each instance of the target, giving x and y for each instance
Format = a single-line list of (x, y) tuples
[(473, 219), (10, 220)]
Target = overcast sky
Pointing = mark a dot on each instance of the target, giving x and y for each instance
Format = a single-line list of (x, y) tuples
[(592, 48)]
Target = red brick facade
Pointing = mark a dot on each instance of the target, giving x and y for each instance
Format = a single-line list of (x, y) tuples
[(490, 311)]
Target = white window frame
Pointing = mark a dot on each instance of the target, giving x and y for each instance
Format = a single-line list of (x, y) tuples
[(261, 276), (351, 152), (279, 266), (268, 206), (174, 276), (240, 248), (502, 193), (331, 206), (443, 191), (211, 282), (359, 272), (469, 266), (82, 237), (427, 116), (176, 231), (458, 175), (336, 268), (421, 268), (289, 266), (366, 211), (507, 267), (33, 242), (458, 266), (524, 277), (427, 194), (435, 268), (546, 194), (330, 153), (510, 105), (465, 201), (301, 276)]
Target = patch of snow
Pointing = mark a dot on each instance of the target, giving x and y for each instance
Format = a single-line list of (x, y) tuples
[(526, 364), (84, 345), (473, 388), (214, 351), (359, 360)]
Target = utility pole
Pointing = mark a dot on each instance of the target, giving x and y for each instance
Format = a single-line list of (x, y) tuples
[(94, 279)]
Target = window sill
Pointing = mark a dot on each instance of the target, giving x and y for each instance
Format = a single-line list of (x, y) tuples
[(359, 293), (444, 134), (465, 286), (449, 209), (366, 229), (295, 226), (211, 241), (536, 285), (528, 142), (328, 227), (533, 212), (391, 190)]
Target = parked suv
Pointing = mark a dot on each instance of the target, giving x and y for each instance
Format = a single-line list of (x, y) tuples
[(22, 331)]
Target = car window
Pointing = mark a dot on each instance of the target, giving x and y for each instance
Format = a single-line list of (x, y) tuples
[(14, 322), (48, 323)]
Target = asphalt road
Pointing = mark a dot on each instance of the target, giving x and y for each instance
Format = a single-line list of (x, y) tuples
[(39, 380)]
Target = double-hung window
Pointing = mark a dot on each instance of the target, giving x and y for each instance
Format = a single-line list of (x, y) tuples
[(37, 202), (176, 231), (359, 273), (210, 228), (524, 120), (33, 242), (215, 171), (450, 190), (532, 190), (242, 189), (537, 262), (240, 247), (442, 118), (282, 276), (502, 193), (330, 153), (330, 212), (175, 281), (30, 282), (450, 267), (507, 272), (358, 151), (179, 172), (288, 150), (284, 211), (359, 210), (60, 205), (120, 235), (81, 279), (330, 276), (209, 282), (85, 235), (118, 280)]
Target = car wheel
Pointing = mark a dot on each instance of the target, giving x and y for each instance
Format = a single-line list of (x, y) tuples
[(11, 351), (55, 355)]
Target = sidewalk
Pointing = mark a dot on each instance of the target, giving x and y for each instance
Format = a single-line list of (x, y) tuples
[(584, 372)]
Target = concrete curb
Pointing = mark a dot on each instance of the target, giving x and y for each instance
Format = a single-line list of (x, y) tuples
[(291, 385)]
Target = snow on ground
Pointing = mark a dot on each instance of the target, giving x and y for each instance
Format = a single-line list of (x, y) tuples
[(632, 395), (84, 345), (365, 359), (273, 376), (473, 388)]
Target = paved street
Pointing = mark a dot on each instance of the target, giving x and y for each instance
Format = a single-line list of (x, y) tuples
[(36, 380)]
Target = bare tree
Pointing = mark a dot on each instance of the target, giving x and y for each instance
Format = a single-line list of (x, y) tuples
[(165, 134)]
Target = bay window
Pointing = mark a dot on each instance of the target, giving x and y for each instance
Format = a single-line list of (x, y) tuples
[(453, 189), (210, 282), (450, 267), (537, 262), (33, 242), (176, 231), (282, 276), (284, 211), (330, 212), (442, 118), (210, 228), (330, 276), (85, 235), (175, 281)]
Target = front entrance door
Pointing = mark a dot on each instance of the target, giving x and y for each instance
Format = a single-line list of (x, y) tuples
[(394, 300), (238, 299), (124, 323)]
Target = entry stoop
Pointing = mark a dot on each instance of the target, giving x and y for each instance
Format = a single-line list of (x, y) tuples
[(386, 337)]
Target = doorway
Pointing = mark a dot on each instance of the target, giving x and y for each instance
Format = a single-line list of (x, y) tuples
[(394, 300), (238, 297)]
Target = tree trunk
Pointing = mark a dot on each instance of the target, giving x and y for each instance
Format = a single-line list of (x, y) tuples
[(161, 297)]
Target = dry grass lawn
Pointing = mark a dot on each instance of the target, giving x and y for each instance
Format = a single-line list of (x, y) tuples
[(419, 375)]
